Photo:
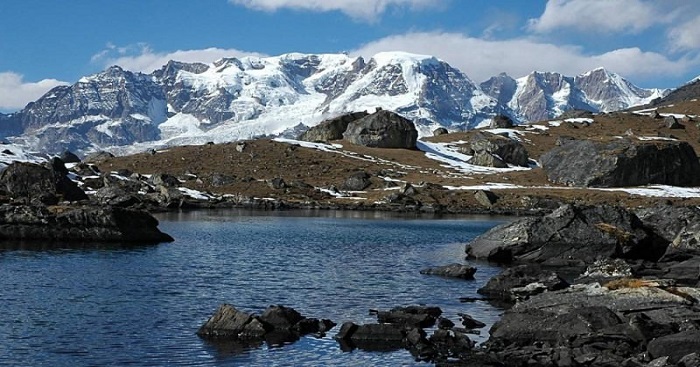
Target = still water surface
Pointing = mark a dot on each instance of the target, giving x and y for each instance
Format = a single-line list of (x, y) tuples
[(141, 306)]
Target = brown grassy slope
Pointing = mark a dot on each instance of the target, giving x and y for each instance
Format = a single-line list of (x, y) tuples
[(263, 160)]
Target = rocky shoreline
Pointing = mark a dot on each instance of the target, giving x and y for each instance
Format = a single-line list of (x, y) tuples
[(583, 286)]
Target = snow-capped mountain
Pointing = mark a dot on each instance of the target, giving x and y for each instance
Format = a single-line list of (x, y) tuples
[(545, 95), (232, 99)]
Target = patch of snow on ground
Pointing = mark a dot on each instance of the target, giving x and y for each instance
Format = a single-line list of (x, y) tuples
[(537, 127), (444, 153), (308, 144), (554, 123), (659, 191), (511, 133), (194, 194), (647, 138), (580, 120), (487, 186)]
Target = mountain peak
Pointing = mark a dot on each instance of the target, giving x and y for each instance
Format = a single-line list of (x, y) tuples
[(403, 58)]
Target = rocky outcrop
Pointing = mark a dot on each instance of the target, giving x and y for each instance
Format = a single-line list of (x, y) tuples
[(277, 325), (522, 281), (382, 129), (79, 224), (571, 235), (331, 129), (47, 184), (501, 122), (599, 326), (622, 162), (503, 149)]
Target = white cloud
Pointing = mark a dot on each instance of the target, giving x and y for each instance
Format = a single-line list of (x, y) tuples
[(686, 36), (15, 93), (141, 57), (628, 16), (482, 58), (358, 9)]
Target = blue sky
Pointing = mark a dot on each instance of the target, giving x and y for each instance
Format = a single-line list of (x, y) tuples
[(653, 43)]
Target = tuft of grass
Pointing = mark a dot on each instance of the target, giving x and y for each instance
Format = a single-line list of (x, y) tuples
[(622, 236)]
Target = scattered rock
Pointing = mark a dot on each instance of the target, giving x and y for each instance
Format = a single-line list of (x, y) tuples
[(505, 149), (440, 131), (419, 316), (501, 122), (382, 129), (452, 271), (358, 181), (672, 123), (486, 198), (622, 163), (521, 282), (164, 179)]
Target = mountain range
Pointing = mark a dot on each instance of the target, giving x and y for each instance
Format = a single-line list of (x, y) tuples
[(233, 99)]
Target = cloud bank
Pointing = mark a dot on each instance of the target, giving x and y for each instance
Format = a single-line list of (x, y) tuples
[(368, 10), (15, 92)]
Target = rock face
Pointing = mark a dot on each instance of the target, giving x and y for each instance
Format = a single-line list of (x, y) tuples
[(505, 149), (382, 129), (571, 235), (83, 224), (331, 129), (622, 163)]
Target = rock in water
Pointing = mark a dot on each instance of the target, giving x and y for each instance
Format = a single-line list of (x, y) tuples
[(82, 224), (331, 129), (382, 129), (228, 322), (452, 271), (622, 163)]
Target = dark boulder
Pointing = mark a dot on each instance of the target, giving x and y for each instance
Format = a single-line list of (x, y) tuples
[(116, 196), (98, 157), (382, 129), (81, 224), (452, 271), (501, 122), (219, 179), (228, 322), (486, 159), (486, 198), (440, 131), (675, 346), (29, 180), (622, 162), (521, 282), (358, 181), (277, 183), (280, 317), (667, 221), (672, 123), (164, 179), (470, 323), (572, 235), (331, 129), (419, 316), (506, 149), (69, 157), (372, 337)]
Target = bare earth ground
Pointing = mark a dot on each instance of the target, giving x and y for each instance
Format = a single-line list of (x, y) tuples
[(262, 160)]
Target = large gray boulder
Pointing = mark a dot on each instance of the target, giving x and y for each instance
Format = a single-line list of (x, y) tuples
[(382, 129), (622, 163), (505, 149), (572, 235), (331, 129), (501, 122)]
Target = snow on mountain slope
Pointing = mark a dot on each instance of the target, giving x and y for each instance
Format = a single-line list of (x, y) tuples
[(233, 99)]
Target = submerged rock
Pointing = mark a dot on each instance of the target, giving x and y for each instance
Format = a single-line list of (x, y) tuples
[(419, 316), (452, 271)]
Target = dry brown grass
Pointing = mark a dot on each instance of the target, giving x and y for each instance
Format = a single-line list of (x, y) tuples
[(629, 283)]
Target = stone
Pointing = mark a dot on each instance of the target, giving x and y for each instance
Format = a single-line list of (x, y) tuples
[(358, 181), (280, 317), (419, 316), (521, 282), (672, 123), (163, 179), (29, 180), (219, 180), (452, 271), (486, 159), (115, 196), (69, 157), (228, 322), (440, 131), (622, 162), (501, 122), (470, 323), (675, 346), (572, 235), (277, 183), (331, 129), (98, 157), (486, 198), (507, 150), (382, 129)]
